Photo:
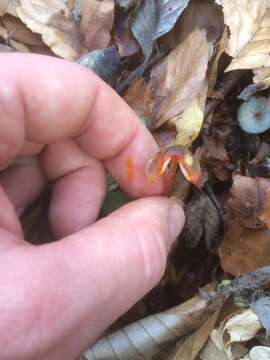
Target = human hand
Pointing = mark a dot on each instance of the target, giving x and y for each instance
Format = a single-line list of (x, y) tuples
[(57, 298)]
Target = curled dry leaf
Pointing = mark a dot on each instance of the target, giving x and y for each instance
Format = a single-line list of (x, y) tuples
[(249, 201), (96, 22), (243, 250), (154, 335), (134, 96), (256, 53), (177, 79), (242, 326), (106, 63), (243, 18), (54, 20)]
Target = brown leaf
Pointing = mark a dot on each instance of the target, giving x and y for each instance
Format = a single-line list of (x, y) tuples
[(9, 6), (215, 157), (96, 23), (243, 250), (249, 201), (19, 32), (54, 20), (177, 79), (134, 96)]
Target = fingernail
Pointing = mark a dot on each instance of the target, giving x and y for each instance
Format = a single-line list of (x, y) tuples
[(176, 220)]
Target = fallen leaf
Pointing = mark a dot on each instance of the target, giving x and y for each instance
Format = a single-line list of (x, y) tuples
[(256, 53), (213, 68), (134, 96), (96, 22), (155, 334), (18, 31), (154, 19), (262, 77), (192, 346), (261, 307), (106, 63), (205, 15), (126, 4), (243, 250), (189, 122), (54, 20), (249, 201), (9, 7), (242, 326), (215, 157), (243, 18), (252, 281), (177, 80)]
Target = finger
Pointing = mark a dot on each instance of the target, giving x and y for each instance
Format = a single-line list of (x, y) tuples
[(79, 187), (83, 283), (23, 182), (8, 222), (51, 107)]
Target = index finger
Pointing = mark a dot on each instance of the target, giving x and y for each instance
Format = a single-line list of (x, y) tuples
[(44, 99)]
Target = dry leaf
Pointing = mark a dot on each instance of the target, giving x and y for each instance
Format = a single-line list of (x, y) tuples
[(256, 53), (18, 31), (249, 201), (9, 7), (134, 96), (177, 79), (153, 335), (189, 122), (242, 326), (191, 347), (243, 18), (96, 22), (55, 22), (261, 307), (262, 77), (215, 157), (213, 71), (243, 250)]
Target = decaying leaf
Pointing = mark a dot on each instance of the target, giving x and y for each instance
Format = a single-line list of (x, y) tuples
[(243, 18), (256, 53), (249, 201), (261, 307), (134, 96), (154, 19), (262, 77), (253, 281), (9, 7), (191, 347), (242, 326), (215, 157), (54, 20), (96, 22), (205, 15), (154, 335), (106, 63), (177, 79), (243, 250), (189, 122)]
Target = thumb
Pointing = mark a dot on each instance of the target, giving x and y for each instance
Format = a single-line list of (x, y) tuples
[(78, 286)]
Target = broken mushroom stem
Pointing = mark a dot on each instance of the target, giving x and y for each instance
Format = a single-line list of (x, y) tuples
[(175, 155)]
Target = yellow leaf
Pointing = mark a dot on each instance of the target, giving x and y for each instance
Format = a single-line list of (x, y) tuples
[(189, 122)]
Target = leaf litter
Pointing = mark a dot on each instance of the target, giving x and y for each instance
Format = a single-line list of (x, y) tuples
[(185, 67)]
